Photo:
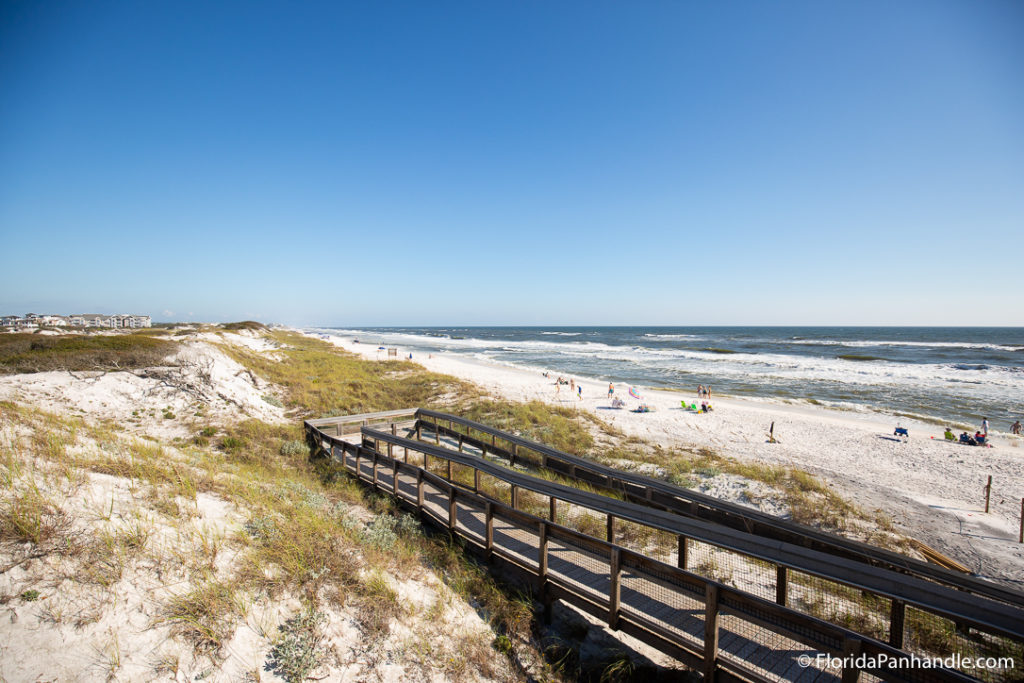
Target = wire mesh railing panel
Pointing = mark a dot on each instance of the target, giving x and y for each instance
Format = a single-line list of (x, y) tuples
[(517, 539), (929, 635), (435, 500), (582, 519), (406, 483), (835, 603), (585, 571), (471, 519), (773, 655), (773, 618), (533, 503), (732, 569), (463, 475), (660, 598)]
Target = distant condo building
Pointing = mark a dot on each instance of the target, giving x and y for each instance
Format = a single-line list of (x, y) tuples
[(32, 320)]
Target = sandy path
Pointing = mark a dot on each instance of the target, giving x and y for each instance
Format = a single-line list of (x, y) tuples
[(934, 491)]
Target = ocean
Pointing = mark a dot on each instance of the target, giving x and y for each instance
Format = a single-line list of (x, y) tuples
[(953, 374)]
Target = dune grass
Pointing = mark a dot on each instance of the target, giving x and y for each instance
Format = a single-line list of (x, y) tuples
[(20, 353), (244, 325), (321, 380)]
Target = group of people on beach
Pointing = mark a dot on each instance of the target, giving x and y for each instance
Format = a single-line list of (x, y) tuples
[(703, 391), (573, 387), (980, 437)]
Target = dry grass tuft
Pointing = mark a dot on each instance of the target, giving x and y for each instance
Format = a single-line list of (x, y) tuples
[(205, 616)]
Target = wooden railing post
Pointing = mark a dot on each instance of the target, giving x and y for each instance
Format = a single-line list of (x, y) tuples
[(988, 492), (460, 443), (476, 481), (437, 433), (375, 454), (515, 452), (897, 614), (553, 509), (419, 489), (514, 497), (610, 528), (449, 470), (359, 451), (1020, 536), (419, 430), (489, 532), (452, 518), (851, 648), (615, 563), (391, 449), (542, 557), (710, 631), (684, 550), (394, 477), (781, 584)]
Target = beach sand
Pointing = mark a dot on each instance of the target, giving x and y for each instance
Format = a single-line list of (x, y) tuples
[(934, 491)]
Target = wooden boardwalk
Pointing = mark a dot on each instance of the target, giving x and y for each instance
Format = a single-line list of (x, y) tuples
[(589, 574), (722, 631)]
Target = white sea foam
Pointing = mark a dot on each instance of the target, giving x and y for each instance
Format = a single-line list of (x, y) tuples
[(861, 344), (673, 365), (672, 336)]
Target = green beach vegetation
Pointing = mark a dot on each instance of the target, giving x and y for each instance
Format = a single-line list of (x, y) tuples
[(26, 352)]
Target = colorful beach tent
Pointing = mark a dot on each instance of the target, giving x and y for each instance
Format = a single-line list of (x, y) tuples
[(633, 392)]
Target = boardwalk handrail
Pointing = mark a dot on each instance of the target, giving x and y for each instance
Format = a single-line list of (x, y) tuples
[(617, 603), (653, 492), (957, 605)]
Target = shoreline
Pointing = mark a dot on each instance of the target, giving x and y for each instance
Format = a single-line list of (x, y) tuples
[(916, 379), (932, 490)]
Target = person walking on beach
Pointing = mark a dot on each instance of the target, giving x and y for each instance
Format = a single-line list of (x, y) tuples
[(572, 385), (1015, 428), (984, 426), (611, 389)]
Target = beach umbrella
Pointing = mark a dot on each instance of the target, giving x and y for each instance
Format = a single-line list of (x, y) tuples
[(633, 392)]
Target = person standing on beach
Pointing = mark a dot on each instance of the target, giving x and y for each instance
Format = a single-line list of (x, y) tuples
[(1015, 427), (611, 389), (572, 384), (700, 391), (707, 391), (984, 426), (579, 391)]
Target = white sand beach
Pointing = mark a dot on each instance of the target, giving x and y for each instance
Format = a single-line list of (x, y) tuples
[(933, 490)]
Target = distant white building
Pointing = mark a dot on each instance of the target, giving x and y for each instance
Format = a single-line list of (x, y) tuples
[(130, 321), (30, 320)]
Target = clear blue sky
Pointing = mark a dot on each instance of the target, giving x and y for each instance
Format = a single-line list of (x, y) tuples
[(520, 162)]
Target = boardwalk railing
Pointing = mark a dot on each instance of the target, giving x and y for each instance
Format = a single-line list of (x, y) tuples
[(728, 632), (651, 492)]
